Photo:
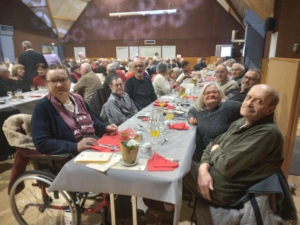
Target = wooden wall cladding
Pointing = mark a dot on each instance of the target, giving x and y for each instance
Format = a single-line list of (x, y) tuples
[(288, 26), (195, 30)]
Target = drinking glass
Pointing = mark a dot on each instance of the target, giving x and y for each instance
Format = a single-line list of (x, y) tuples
[(154, 131), (170, 114), (32, 88), (9, 94), (131, 131), (161, 103), (18, 93)]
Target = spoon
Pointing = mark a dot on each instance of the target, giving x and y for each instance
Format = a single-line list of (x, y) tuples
[(166, 139)]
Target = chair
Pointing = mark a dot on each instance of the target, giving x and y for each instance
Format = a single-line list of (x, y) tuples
[(6, 150), (99, 98), (268, 202)]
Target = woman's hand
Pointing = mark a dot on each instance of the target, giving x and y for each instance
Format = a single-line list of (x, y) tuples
[(111, 129), (85, 143), (193, 121), (205, 181)]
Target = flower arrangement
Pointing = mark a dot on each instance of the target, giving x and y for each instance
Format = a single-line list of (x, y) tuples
[(131, 144)]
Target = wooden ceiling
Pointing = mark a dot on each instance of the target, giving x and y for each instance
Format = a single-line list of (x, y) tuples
[(59, 15), (237, 8)]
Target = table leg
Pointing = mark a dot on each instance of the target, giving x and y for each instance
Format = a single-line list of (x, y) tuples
[(177, 213), (134, 210), (112, 209)]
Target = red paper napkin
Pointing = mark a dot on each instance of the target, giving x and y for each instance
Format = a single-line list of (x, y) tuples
[(145, 119), (179, 126), (108, 139), (190, 96), (159, 163), (171, 106), (35, 95), (157, 101)]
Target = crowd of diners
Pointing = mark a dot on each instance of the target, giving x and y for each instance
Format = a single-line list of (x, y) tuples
[(238, 143)]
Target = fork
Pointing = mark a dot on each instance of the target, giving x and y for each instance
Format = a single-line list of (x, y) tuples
[(111, 147)]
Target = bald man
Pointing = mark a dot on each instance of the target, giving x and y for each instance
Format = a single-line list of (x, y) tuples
[(88, 82), (102, 67), (250, 151)]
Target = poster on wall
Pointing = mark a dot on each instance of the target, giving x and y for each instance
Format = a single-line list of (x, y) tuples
[(79, 50)]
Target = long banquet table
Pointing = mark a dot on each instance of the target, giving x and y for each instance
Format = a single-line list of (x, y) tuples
[(161, 185)]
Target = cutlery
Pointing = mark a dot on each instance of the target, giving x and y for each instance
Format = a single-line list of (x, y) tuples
[(173, 160), (111, 147), (166, 139), (140, 125)]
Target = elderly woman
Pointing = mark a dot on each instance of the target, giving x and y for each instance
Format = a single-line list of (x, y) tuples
[(161, 82), (212, 116), (17, 75), (62, 122), (49, 56)]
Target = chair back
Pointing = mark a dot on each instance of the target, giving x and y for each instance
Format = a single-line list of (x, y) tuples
[(99, 98)]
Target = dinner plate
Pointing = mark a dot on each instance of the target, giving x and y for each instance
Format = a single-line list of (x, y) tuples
[(129, 164)]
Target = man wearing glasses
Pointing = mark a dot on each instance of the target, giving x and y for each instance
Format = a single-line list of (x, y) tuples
[(139, 88), (251, 78), (88, 83)]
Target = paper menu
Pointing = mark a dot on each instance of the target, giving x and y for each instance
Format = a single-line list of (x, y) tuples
[(93, 157), (102, 167)]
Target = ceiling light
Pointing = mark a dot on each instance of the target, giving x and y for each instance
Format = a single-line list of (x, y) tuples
[(144, 13)]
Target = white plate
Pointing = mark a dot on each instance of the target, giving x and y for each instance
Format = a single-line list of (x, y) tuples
[(128, 165)]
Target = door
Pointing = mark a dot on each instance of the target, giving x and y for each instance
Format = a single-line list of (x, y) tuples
[(133, 51), (7, 46), (122, 52)]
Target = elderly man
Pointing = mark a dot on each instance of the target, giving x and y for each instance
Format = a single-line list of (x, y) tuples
[(88, 83), (251, 78), (198, 66), (222, 79), (111, 72), (250, 151), (102, 67), (237, 72), (139, 88), (29, 59), (119, 107)]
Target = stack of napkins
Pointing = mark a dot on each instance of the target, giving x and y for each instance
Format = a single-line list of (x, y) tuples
[(179, 126), (159, 163)]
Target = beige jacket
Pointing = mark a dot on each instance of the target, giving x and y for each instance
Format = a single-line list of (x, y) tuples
[(86, 86)]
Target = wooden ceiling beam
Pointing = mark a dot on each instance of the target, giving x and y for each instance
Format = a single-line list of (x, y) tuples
[(263, 9), (52, 20), (234, 11), (63, 18)]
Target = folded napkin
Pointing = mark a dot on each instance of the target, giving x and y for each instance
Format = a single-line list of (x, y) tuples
[(171, 106), (108, 139), (145, 119), (190, 96), (159, 163), (157, 101), (35, 95), (179, 126), (209, 79)]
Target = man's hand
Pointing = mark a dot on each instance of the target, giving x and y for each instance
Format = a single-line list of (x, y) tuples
[(205, 181), (111, 129), (193, 121)]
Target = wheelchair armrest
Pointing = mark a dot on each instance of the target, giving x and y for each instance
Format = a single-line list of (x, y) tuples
[(59, 157)]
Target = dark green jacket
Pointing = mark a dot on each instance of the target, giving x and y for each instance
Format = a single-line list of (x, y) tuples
[(246, 155)]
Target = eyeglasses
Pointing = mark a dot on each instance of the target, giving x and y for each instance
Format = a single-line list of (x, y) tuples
[(250, 78), (211, 92), (62, 81), (138, 66)]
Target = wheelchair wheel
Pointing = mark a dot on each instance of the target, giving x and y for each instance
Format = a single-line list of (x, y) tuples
[(31, 203)]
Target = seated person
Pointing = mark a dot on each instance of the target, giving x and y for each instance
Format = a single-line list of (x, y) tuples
[(119, 107), (39, 80), (237, 72), (5, 81), (139, 88), (17, 76), (161, 82), (62, 122), (75, 73), (88, 83), (222, 79), (111, 72), (250, 151), (212, 116), (251, 78)]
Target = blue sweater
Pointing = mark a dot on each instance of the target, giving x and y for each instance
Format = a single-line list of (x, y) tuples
[(140, 91), (51, 134)]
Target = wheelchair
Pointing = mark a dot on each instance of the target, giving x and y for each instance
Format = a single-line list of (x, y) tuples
[(30, 200)]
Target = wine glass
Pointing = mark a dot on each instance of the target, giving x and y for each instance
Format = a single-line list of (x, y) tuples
[(9, 94), (131, 131), (170, 114), (18, 93), (32, 88), (154, 131)]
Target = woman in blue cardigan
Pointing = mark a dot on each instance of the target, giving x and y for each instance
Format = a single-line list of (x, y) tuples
[(62, 122)]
